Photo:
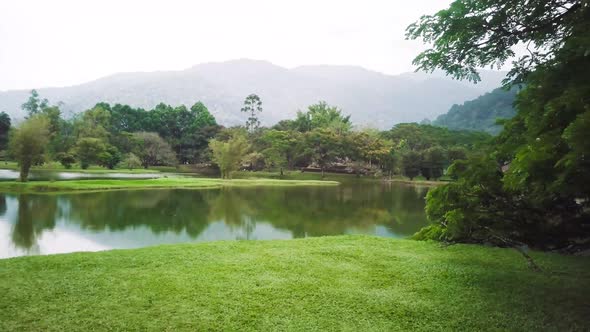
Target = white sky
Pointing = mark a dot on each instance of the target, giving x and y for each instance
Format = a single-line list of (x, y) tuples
[(61, 42)]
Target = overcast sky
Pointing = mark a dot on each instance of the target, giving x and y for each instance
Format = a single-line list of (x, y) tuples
[(59, 42)]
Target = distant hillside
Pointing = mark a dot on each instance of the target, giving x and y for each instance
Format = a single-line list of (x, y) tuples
[(480, 113), (370, 97)]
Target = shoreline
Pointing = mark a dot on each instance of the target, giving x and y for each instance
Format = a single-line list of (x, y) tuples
[(72, 186)]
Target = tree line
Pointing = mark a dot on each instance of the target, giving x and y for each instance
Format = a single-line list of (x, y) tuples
[(320, 139)]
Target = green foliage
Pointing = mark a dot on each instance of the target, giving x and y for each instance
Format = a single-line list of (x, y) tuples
[(89, 150), (321, 115), (324, 145), (474, 34), (28, 143), (456, 153), (252, 106), (411, 163), (321, 137), (434, 161), (131, 161), (65, 159), (110, 157), (5, 124), (93, 123), (228, 155), (282, 147), (481, 114), (153, 150), (202, 117), (420, 137), (368, 146), (34, 104), (464, 210), (532, 189)]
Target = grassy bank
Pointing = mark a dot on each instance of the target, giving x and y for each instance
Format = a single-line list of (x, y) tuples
[(354, 283), (172, 183), (298, 175)]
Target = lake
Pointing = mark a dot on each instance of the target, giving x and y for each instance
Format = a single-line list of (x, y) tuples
[(44, 224)]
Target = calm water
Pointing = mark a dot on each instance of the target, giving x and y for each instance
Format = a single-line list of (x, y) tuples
[(45, 224)]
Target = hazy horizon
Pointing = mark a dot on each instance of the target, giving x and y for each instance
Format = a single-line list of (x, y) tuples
[(64, 43)]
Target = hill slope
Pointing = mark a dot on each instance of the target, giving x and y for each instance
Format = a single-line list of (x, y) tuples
[(355, 283), (370, 97), (481, 113)]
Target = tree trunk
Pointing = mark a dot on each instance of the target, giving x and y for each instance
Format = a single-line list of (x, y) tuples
[(281, 172), (24, 171), (322, 168)]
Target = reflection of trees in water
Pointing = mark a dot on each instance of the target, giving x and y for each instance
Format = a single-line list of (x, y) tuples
[(159, 210), (36, 213), (304, 211), (235, 210), (315, 211)]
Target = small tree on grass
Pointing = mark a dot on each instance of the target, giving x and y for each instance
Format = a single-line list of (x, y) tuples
[(110, 157), (132, 161), (229, 154), (28, 143), (65, 159)]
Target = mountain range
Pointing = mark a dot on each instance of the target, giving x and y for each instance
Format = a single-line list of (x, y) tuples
[(371, 98)]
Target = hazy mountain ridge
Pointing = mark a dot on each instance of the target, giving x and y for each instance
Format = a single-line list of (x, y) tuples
[(481, 113), (370, 97)]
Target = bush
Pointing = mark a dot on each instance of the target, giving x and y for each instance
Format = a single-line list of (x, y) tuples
[(65, 159), (131, 161)]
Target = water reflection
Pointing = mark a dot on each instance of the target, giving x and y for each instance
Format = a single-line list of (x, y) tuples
[(31, 224)]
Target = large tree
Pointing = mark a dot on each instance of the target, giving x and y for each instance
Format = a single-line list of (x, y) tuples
[(322, 115), (153, 150), (534, 188), (202, 116), (473, 34), (281, 147), (88, 150), (324, 145), (28, 143)]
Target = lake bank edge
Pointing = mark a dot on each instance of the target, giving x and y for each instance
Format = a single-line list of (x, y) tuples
[(93, 185)]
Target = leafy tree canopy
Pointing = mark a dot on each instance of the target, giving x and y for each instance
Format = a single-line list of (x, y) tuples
[(532, 186), (474, 34)]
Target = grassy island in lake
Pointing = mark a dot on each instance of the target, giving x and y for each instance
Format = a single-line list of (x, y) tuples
[(159, 183)]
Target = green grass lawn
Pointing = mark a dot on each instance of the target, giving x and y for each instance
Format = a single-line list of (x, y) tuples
[(170, 182), (340, 177), (351, 283)]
